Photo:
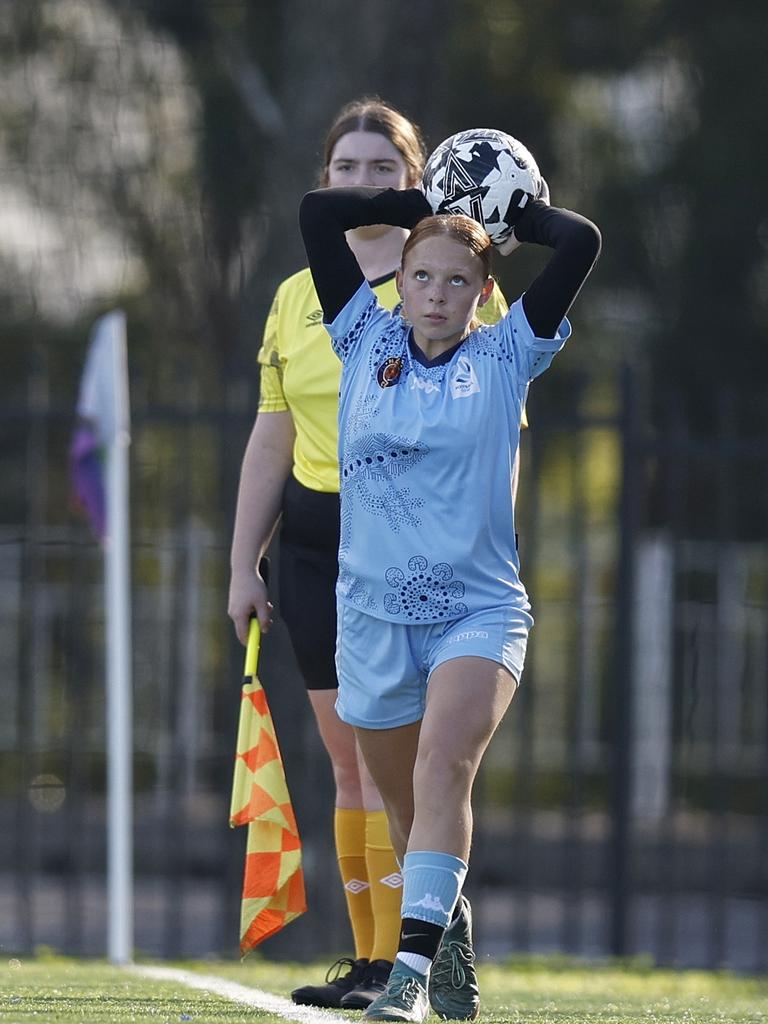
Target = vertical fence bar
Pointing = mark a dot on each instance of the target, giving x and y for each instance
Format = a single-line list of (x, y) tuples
[(724, 689), (524, 764), (621, 698), (175, 849), (761, 953), (572, 925), (32, 568), (673, 454), (79, 704)]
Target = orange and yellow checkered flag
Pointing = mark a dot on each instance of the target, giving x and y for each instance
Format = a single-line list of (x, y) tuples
[(273, 886)]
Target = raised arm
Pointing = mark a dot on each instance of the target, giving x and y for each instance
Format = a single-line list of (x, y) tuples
[(324, 216), (576, 242)]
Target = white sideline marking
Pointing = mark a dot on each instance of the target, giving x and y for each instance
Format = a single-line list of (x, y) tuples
[(241, 994)]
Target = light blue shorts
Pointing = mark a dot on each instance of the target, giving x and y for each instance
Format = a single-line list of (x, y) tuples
[(384, 667)]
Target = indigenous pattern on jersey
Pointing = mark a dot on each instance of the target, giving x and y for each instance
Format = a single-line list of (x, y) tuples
[(426, 454), (300, 373)]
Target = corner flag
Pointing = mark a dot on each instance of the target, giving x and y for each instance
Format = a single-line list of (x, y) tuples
[(100, 475)]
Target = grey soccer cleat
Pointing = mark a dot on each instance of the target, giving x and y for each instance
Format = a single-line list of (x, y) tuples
[(404, 999), (453, 991)]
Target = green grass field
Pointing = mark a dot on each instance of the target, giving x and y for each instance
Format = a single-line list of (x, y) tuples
[(535, 992)]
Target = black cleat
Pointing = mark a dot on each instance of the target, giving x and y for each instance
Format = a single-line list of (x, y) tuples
[(336, 986), (374, 981)]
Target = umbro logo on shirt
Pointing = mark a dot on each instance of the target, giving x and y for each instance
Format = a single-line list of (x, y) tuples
[(315, 317)]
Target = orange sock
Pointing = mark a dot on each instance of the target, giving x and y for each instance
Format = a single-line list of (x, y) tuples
[(349, 829), (386, 886)]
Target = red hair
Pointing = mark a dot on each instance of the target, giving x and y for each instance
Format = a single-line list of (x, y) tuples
[(461, 229)]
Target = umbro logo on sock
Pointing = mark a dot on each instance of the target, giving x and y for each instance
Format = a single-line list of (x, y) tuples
[(394, 881), (356, 885)]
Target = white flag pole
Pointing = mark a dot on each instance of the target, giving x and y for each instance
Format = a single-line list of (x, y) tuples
[(117, 578)]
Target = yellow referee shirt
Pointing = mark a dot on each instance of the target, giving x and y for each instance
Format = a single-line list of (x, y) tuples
[(300, 372)]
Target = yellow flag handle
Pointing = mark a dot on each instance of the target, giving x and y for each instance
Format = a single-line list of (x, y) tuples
[(252, 650)]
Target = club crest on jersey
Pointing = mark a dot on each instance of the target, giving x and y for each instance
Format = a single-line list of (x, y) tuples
[(388, 374), (463, 381)]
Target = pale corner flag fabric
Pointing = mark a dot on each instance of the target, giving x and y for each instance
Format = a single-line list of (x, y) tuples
[(102, 414), (273, 886)]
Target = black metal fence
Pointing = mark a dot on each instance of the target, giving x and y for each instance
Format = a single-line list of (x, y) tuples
[(623, 805)]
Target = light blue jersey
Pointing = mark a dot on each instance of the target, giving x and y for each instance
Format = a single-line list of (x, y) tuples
[(426, 454)]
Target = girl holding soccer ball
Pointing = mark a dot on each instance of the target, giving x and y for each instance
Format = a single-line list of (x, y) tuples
[(433, 619), (291, 469)]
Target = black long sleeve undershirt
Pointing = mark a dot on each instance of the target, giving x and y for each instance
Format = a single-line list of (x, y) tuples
[(576, 242), (326, 214)]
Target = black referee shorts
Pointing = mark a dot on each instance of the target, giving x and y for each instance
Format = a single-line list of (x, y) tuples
[(309, 546)]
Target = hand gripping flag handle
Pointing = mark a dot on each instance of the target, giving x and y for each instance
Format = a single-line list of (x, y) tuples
[(254, 630)]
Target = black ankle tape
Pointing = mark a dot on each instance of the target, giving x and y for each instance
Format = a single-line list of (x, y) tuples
[(420, 937)]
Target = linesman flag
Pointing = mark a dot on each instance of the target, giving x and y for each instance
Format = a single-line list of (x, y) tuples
[(273, 886)]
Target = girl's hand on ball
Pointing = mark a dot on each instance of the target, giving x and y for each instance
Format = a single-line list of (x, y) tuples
[(508, 246), (512, 243)]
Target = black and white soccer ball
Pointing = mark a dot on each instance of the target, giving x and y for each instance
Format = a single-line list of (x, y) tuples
[(486, 175)]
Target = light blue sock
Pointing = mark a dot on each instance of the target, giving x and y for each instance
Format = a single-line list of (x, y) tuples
[(431, 885)]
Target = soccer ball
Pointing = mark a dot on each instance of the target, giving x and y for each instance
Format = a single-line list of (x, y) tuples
[(486, 175)]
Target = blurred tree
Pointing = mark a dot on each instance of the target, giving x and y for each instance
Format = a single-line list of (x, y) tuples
[(711, 213), (100, 199)]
